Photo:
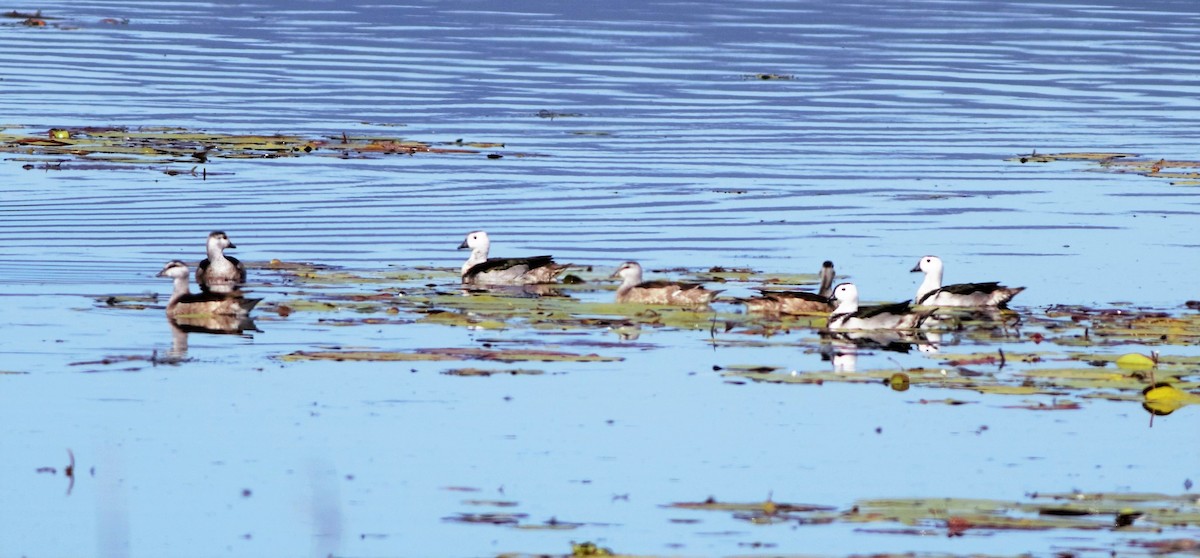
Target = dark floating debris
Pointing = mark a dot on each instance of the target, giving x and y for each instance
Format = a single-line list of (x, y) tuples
[(765, 77), (552, 114)]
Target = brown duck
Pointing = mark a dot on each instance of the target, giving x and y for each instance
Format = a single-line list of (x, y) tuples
[(796, 302), (634, 290)]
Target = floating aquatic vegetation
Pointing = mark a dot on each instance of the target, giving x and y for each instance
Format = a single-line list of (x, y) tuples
[(515, 520), (1135, 514), (589, 548), (176, 146), (1163, 398), (37, 19), (449, 353), (554, 114), (1035, 157), (487, 518), (765, 513), (482, 372), (1055, 359), (1179, 172)]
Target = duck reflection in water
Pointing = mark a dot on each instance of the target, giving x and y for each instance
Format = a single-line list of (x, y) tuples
[(841, 348), (181, 326)]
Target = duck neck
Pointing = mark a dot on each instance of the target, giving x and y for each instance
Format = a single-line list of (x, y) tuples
[(215, 252), (479, 254), (932, 282), (628, 282), (826, 282), (180, 291)]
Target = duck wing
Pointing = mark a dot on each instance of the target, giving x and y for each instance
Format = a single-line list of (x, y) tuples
[(501, 264), (963, 289), (793, 295), (662, 284), (789, 302), (202, 273), (514, 271), (206, 296), (897, 308), (241, 268)]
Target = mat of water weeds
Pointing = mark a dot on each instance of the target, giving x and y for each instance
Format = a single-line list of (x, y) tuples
[(1180, 173), (173, 149), (1155, 524), (1137, 516), (1051, 359)]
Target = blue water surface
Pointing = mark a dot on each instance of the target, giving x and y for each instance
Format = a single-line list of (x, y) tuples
[(631, 130)]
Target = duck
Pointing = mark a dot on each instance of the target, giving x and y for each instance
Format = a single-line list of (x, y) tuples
[(634, 290), (184, 303), (218, 272), (479, 269), (848, 315), (932, 293), (796, 302)]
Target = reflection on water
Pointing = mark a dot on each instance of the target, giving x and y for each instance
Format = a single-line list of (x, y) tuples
[(182, 326), (630, 130)]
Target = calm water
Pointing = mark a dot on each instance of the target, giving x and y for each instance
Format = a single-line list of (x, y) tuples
[(887, 142)]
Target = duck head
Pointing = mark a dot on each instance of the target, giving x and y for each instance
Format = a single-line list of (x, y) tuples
[(174, 269), (928, 264), (629, 272), (475, 240), (846, 296), (219, 240)]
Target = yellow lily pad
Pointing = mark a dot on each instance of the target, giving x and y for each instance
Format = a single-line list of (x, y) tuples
[(1135, 361)]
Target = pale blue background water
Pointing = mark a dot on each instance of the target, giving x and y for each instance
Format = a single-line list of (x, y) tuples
[(889, 143)]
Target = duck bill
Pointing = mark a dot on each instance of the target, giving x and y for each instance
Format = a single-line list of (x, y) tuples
[(232, 245), (915, 268), (463, 246)]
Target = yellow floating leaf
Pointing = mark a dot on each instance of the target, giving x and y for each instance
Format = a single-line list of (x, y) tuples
[(1135, 361)]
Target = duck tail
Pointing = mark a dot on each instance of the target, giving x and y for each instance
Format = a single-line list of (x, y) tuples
[(248, 304), (1006, 294)]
